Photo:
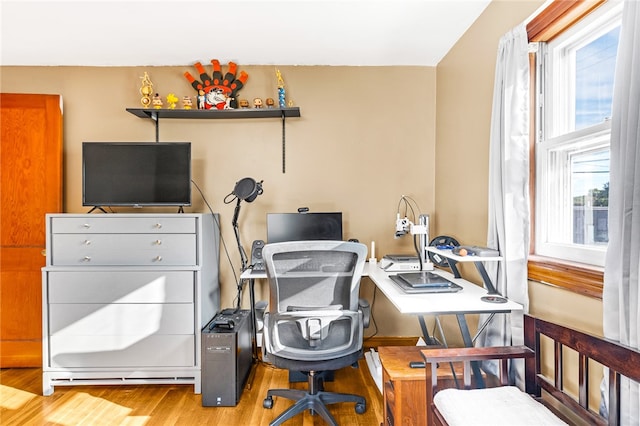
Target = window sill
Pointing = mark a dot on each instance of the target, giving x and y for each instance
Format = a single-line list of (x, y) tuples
[(579, 278)]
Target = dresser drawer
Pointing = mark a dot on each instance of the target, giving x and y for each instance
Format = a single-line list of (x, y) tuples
[(121, 286), (139, 319), (112, 224), (123, 249), (144, 352)]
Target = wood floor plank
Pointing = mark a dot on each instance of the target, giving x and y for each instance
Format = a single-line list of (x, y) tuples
[(22, 403)]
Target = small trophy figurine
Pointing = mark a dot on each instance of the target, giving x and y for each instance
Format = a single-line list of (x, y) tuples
[(146, 90), (281, 94)]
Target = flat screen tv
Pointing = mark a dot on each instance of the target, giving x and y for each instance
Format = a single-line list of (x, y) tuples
[(304, 226), (136, 174)]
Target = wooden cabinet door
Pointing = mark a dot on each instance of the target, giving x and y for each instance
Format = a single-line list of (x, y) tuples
[(30, 187)]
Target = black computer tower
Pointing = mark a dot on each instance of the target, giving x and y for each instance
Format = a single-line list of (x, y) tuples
[(226, 358)]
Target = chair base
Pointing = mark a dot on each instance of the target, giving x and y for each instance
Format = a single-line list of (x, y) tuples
[(314, 399)]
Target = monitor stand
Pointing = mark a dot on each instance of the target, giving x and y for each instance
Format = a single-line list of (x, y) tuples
[(98, 208)]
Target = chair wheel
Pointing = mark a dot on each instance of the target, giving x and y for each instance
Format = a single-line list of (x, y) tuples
[(361, 408), (268, 402)]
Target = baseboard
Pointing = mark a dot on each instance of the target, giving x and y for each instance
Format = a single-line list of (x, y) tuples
[(375, 341)]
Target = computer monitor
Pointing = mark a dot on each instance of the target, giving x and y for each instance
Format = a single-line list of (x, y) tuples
[(304, 226)]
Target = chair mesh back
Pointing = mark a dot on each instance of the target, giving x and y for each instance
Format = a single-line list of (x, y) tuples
[(313, 279), (313, 307)]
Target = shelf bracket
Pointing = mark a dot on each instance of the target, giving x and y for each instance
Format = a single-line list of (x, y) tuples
[(154, 116)]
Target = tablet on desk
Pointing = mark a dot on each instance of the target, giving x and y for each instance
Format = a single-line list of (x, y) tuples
[(424, 282)]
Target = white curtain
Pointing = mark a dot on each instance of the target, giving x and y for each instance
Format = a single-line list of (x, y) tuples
[(508, 228), (621, 297)]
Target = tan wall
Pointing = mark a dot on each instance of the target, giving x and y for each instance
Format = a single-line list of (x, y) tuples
[(366, 136)]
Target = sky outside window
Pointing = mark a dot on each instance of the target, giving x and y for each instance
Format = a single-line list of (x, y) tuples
[(595, 69)]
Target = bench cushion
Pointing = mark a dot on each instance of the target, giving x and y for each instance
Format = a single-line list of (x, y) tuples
[(505, 405)]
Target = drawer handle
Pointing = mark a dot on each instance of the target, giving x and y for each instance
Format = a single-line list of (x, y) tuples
[(87, 242), (87, 225), (158, 225), (158, 242), (87, 259), (158, 259)]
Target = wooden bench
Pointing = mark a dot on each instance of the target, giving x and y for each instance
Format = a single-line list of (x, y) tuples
[(620, 360)]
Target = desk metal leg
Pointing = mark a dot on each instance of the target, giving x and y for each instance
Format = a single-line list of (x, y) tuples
[(468, 342), (430, 341), (254, 331), (433, 341), (254, 334), (453, 265)]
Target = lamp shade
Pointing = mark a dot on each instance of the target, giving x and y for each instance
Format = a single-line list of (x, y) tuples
[(247, 189)]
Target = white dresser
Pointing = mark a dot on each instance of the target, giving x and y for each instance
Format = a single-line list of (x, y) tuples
[(125, 297)]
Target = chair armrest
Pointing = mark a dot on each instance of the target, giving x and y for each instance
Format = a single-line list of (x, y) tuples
[(363, 305), (465, 355)]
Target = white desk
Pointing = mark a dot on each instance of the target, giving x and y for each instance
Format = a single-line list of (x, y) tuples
[(472, 299), (466, 301), (469, 300)]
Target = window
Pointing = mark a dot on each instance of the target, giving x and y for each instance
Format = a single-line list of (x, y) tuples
[(574, 88)]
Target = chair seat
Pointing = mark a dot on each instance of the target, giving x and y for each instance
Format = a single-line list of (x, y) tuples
[(505, 405), (328, 365)]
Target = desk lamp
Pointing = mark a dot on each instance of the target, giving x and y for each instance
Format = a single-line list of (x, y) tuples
[(246, 189)]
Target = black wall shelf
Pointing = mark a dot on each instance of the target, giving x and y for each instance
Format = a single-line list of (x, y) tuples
[(157, 114)]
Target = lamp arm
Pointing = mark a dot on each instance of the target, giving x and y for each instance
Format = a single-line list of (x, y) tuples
[(236, 230)]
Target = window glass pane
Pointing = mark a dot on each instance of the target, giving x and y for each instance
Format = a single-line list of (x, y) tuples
[(590, 192), (595, 67)]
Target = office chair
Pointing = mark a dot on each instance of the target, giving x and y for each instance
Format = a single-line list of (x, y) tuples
[(314, 321)]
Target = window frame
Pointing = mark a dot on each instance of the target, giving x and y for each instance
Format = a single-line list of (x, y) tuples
[(576, 277)]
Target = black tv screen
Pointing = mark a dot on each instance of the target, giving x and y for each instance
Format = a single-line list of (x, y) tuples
[(304, 226), (136, 174)]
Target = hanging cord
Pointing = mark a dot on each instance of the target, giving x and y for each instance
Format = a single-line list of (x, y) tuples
[(417, 249), (409, 204), (283, 144), (372, 319), (224, 244)]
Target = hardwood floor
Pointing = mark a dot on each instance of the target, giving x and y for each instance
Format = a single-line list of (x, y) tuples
[(22, 403)]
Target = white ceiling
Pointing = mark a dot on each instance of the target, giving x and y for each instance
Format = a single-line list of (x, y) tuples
[(248, 32)]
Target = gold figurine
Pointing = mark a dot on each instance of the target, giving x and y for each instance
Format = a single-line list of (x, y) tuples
[(281, 91), (146, 90)]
